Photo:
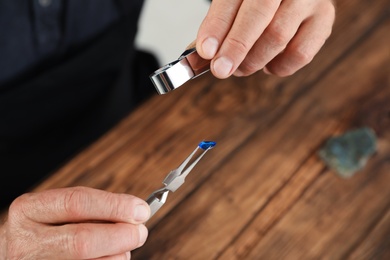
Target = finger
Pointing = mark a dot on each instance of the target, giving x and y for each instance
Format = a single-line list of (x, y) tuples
[(125, 256), (275, 38), (250, 22), (93, 240), (80, 204), (303, 47), (216, 26)]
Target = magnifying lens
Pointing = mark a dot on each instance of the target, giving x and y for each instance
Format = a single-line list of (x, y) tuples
[(171, 76)]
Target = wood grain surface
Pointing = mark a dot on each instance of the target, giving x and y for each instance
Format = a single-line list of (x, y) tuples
[(262, 193)]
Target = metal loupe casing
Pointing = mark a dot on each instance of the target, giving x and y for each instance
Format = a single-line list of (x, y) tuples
[(188, 66)]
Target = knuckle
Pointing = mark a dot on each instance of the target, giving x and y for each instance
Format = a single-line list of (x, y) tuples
[(277, 35), (263, 11), (238, 45), (77, 243), (327, 12), (19, 207), (302, 56), (218, 23), (16, 206), (119, 207), (74, 199), (248, 67), (328, 8)]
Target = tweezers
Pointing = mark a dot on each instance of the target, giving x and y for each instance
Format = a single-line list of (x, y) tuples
[(176, 177)]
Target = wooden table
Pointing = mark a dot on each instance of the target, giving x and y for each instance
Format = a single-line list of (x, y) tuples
[(263, 192)]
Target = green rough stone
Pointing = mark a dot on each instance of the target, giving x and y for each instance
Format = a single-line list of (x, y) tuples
[(348, 153)]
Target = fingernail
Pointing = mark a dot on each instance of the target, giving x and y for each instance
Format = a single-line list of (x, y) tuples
[(210, 47), (143, 234), (141, 213), (222, 67)]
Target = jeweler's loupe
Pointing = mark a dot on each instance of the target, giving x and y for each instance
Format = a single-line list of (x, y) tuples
[(188, 66)]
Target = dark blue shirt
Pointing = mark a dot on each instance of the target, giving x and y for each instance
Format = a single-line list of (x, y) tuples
[(32, 30), (68, 73)]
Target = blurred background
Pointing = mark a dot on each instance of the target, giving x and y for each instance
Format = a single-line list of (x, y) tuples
[(162, 21)]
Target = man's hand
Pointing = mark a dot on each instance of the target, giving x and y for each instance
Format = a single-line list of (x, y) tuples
[(74, 223), (280, 37)]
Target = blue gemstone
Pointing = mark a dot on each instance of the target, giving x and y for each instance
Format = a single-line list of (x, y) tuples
[(349, 152), (207, 144)]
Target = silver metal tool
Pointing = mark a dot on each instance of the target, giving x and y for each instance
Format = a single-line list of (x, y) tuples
[(177, 176), (188, 66)]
